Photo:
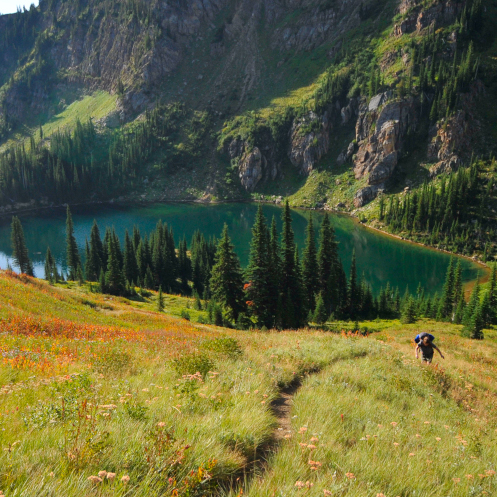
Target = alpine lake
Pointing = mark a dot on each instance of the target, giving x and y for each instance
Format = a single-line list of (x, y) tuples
[(380, 258)]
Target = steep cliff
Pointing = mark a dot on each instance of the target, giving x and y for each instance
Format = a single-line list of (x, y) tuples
[(327, 100)]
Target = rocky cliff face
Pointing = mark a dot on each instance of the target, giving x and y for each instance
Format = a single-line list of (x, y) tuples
[(97, 44), (380, 132), (307, 148), (417, 18)]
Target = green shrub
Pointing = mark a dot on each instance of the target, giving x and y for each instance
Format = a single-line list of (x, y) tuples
[(226, 346), (185, 314), (114, 362), (194, 363)]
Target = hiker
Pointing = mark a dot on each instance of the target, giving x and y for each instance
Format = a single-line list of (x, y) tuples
[(427, 346)]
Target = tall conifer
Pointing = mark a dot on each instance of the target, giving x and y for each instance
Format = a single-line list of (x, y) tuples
[(73, 260), (20, 252), (310, 276), (292, 303), (258, 273), (447, 301), (49, 266), (130, 265), (353, 289), (114, 277), (226, 282)]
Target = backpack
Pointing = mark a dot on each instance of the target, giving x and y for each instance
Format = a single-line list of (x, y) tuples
[(420, 336)]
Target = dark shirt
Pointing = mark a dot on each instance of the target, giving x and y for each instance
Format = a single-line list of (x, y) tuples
[(426, 350)]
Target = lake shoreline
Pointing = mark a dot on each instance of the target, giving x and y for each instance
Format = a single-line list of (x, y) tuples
[(123, 203)]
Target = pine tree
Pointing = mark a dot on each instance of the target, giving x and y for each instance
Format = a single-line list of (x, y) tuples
[(486, 310), (474, 302), (458, 284), (460, 309), (330, 269), (101, 282), (130, 265), (19, 250), (447, 301), (274, 274), (409, 311), (184, 265), (310, 276), (492, 290), (95, 261), (320, 315), (73, 260), (49, 265), (474, 327), (293, 315), (353, 290), (258, 272), (115, 282), (160, 300), (226, 282)]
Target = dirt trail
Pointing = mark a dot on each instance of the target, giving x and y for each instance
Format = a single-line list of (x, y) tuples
[(282, 407)]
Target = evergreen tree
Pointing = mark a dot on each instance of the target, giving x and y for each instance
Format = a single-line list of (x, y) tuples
[(486, 311), (149, 279), (114, 278), (160, 300), (320, 314), (73, 260), (49, 266), (184, 265), (293, 315), (274, 274), (101, 282), (95, 262), (226, 282), (460, 309), (19, 250), (310, 277), (474, 326), (353, 290), (492, 291), (409, 311), (447, 300), (329, 266), (473, 303), (258, 272), (130, 264)]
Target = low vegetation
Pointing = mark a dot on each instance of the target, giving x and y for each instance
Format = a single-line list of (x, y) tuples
[(105, 396)]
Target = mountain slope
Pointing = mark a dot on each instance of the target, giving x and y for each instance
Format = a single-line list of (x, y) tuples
[(104, 395), (332, 103)]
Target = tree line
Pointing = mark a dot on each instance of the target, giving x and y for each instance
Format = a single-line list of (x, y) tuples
[(83, 160), (278, 289), (452, 215)]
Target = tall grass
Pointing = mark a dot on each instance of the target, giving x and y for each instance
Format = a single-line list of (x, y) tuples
[(154, 405)]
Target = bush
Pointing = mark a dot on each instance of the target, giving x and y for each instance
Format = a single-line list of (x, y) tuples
[(226, 346), (194, 363), (215, 314), (113, 362), (185, 314)]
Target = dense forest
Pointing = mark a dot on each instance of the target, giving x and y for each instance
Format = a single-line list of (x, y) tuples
[(81, 161), (454, 215), (280, 288)]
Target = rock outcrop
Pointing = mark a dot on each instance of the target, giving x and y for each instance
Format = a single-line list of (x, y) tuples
[(253, 166), (309, 141), (415, 18), (365, 195), (380, 133)]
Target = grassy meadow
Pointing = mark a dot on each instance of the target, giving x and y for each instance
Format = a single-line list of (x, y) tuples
[(104, 396)]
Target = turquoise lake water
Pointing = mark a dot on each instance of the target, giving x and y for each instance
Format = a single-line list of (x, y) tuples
[(381, 258)]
